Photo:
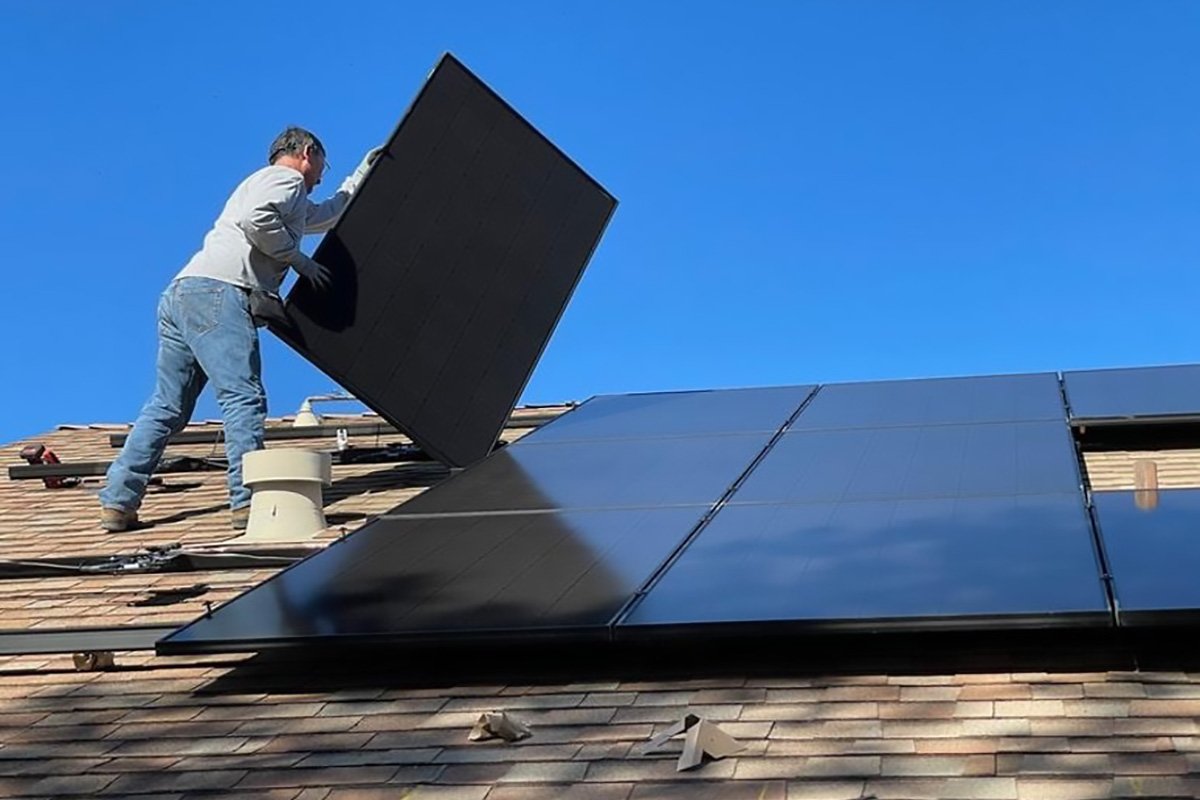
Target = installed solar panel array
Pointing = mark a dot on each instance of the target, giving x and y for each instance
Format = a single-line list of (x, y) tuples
[(939, 504)]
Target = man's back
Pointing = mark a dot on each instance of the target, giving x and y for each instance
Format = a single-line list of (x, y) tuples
[(269, 207)]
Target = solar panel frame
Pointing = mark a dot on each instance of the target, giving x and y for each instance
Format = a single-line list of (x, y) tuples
[(1133, 394), (452, 268)]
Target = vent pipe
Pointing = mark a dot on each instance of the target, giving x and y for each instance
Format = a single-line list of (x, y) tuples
[(286, 504)]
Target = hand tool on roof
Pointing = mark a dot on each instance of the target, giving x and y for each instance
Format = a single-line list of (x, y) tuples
[(36, 454)]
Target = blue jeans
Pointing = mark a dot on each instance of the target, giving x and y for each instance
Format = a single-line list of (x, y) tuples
[(204, 333)]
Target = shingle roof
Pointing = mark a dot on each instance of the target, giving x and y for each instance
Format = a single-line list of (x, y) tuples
[(197, 726)]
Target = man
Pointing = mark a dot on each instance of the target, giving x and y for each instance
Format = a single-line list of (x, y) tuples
[(205, 328)]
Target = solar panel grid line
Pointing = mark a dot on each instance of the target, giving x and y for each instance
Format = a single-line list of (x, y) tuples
[(517, 512), (635, 600), (1100, 549)]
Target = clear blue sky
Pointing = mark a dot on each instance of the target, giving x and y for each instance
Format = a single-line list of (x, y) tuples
[(810, 191)]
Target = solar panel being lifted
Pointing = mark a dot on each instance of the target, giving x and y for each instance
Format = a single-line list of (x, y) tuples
[(452, 266)]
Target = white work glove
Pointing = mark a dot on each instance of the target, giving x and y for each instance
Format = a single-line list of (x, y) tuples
[(355, 179), (316, 274)]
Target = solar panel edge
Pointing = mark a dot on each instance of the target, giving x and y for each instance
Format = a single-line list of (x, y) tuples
[(472, 76)]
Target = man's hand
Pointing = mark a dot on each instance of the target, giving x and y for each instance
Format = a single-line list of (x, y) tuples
[(355, 179), (361, 171), (374, 153), (317, 274)]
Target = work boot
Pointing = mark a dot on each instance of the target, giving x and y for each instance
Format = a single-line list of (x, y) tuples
[(116, 520), (241, 518)]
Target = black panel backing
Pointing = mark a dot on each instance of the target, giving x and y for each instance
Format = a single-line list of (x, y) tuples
[(452, 266)]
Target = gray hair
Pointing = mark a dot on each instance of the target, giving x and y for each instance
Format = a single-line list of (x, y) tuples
[(293, 141)]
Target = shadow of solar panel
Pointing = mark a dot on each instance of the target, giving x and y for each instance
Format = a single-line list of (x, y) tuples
[(1153, 544), (666, 414), (996, 459), (935, 401), (1133, 393), (938, 563), (452, 266), (632, 473), (478, 576)]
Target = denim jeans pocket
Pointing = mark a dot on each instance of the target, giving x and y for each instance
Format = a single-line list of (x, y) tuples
[(198, 309)]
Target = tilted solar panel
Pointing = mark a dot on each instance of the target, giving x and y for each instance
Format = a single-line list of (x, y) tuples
[(452, 266)]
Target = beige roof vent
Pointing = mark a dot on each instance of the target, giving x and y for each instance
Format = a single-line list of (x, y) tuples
[(286, 504)]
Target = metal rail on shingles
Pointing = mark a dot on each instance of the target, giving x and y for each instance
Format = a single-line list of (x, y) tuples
[(1085, 485), (82, 640), (216, 435), (699, 527)]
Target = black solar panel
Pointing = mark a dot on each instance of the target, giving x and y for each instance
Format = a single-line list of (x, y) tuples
[(483, 575), (452, 266), (598, 474), (944, 562), (997, 459), (895, 524), (935, 401), (704, 413), (1153, 546), (1134, 393)]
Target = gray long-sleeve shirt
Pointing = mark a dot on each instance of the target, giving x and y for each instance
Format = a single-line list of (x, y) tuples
[(258, 234)]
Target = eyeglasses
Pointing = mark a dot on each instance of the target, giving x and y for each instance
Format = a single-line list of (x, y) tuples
[(324, 162)]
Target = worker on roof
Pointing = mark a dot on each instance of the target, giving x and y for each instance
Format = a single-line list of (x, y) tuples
[(209, 314)]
